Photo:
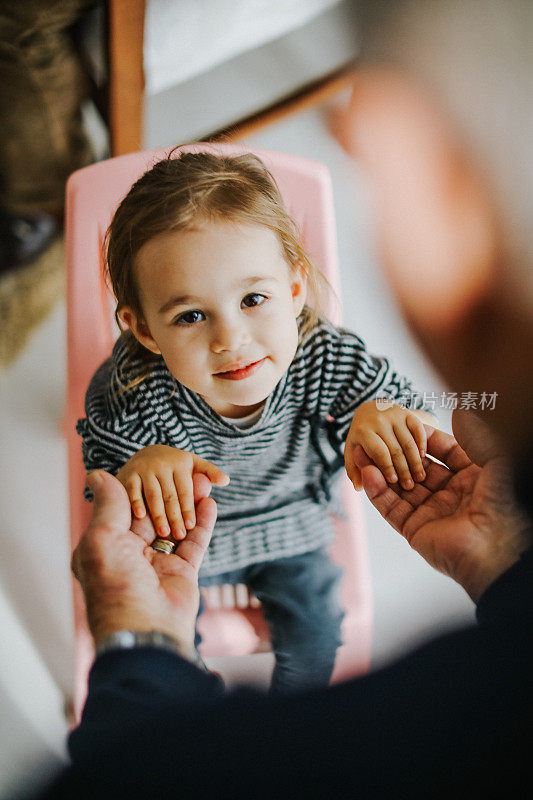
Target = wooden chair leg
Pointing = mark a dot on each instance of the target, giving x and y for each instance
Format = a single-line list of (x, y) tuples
[(126, 75)]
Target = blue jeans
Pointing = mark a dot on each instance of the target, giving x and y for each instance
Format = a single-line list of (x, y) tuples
[(300, 600)]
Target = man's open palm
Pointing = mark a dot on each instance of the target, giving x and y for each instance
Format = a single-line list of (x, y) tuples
[(123, 577), (460, 519)]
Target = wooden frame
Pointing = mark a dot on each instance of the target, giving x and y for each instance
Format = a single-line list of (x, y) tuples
[(125, 20), (311, 95), (126, 85)]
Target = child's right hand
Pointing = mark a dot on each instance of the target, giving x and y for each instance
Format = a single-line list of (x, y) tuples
[(162, 476)]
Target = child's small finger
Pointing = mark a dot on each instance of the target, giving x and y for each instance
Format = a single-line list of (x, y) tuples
[(139, 509), (399, 461), (411, 452), (378, 451), (354, 474), (416, 426), (184, 487), (134, 490), (154, 500), (218, 477), (214, 474), (172, 507)]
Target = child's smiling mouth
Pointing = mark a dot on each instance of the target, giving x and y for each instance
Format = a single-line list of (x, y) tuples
[(240, 372)]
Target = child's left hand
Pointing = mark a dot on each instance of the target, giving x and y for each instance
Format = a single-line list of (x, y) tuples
[(394, 438)]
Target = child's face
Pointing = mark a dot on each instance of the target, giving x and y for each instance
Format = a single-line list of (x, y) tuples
[(217, 299)]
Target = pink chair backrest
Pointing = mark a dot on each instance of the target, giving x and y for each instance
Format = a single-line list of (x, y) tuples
[(93, 194)]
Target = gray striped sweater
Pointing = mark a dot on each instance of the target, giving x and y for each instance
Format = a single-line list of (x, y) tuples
[(284, 468)]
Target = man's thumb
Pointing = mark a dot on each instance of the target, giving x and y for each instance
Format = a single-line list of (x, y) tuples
[(111, 505)]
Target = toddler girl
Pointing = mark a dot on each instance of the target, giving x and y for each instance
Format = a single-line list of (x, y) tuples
[(223, 368)]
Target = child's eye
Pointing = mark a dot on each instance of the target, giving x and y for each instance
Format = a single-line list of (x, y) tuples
[(188, 318), (254, 299)]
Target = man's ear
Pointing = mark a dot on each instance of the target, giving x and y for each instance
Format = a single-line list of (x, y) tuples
[(298, 288), (139, 328)]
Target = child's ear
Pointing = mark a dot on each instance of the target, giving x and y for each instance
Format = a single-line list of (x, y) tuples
[(139, 328), (298, 288)]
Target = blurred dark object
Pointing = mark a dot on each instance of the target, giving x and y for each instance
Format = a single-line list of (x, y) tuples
[(23, 238), (42, 87)]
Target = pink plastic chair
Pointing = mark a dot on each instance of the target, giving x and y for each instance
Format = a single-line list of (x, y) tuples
[(93, 194)]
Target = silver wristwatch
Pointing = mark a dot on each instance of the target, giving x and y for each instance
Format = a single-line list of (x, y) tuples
[(126, 640)]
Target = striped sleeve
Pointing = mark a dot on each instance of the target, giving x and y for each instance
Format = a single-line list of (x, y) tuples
[(106, 437), (118, 422), (352, 376)]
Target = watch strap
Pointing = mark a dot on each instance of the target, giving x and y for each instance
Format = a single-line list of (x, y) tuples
[(129, 639)]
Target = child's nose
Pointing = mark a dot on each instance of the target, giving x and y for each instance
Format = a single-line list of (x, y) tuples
[(229, 337)]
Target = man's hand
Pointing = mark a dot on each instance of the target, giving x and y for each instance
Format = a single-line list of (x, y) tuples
[(127, 585), (461, 518)]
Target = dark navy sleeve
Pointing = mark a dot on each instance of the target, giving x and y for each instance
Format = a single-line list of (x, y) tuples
[(505, 597), (127, 685), (451, 719)]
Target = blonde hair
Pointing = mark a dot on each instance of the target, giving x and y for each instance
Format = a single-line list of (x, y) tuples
[(181, 190)]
